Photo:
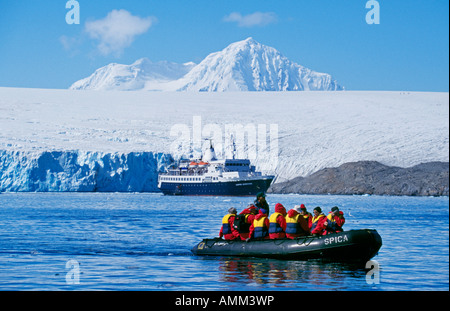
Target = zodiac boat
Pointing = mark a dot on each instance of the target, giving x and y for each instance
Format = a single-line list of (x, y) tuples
[(349, 246)]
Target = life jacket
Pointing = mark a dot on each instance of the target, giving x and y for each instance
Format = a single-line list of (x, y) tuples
[(226, 228), (292, 225), (240, 223), (332, 225), (274, 225), (315, 220), (260, 230)]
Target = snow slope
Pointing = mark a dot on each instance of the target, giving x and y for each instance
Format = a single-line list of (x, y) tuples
[(142, 74), (242, 66), (315, 129)]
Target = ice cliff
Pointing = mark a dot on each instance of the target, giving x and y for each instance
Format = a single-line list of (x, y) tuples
[(81, 171)]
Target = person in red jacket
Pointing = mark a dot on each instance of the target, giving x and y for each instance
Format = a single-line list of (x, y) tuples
[(249, 214), (317, 223), (277, 223), (227, 230), (307, 215), (260, 226), (296, 224), (335, 221)]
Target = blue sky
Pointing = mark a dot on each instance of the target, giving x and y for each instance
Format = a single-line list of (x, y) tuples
[(407, 51)]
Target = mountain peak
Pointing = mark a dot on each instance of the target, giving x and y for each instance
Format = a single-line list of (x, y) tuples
[(141, 61), (245, 65), (248, 65), (250, 41)]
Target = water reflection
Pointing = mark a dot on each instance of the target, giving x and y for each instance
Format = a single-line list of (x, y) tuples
[(290, 274)]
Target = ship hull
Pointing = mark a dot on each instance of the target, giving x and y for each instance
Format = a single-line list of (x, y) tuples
[(228, 188)]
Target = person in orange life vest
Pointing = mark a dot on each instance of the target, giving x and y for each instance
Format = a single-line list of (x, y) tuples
[(260, 226), (277, 223), (250, 213), (335, 221), (307, 215), (227, 231), (317, 223), (296, 224)]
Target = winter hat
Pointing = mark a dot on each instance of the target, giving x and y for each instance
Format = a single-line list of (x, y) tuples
[(260, 194), (232, 210), (279, 205), (335, 209), (302, 206), (251, 206), (279, 208), (297, 208), (317, 208)]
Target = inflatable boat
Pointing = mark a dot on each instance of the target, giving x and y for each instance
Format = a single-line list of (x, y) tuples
[(353, 245)]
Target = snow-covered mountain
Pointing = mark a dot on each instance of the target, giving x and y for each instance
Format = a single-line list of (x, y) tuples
[(142, 74), (250, 66), (242, 66)]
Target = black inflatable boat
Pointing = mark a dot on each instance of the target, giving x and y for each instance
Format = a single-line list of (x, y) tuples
[(352, 245)]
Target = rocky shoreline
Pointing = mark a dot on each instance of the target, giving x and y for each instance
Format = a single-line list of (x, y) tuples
[(371, 177)]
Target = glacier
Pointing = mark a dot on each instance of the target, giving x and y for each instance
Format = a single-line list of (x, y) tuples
[(95, 140), (78, 171)]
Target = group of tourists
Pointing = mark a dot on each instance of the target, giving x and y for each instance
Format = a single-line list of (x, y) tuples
[(254, 222)]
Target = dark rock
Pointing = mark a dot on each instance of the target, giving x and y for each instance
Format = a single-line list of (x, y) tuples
[(371, 177)]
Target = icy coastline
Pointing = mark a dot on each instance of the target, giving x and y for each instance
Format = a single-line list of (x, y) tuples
[(81, 171), (64, 140), (77, 171)]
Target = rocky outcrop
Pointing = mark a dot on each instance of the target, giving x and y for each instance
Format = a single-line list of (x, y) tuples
[(371, 177)]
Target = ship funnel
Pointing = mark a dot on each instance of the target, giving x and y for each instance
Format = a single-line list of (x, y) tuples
[(210, 154)]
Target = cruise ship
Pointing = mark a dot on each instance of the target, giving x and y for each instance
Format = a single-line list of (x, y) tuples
[(210, 176)]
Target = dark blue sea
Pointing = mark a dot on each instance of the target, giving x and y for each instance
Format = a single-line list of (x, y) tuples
[(118, 241)]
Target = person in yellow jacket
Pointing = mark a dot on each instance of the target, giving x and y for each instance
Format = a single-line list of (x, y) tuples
[(227, 230), (317, 223), (307, 215), (260, 226), (335, 221), (277, 223), (296, 224)]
